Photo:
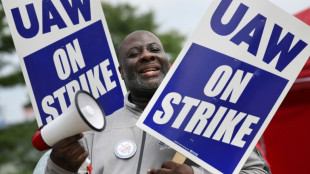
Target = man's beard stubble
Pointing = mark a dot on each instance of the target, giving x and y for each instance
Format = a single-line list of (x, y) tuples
[(138, 84)]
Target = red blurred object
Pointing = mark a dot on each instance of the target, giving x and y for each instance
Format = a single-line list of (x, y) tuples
[(90, 168), (38, 142), (286, 141)]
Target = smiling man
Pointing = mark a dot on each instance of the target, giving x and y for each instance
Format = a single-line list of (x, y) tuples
[(143, 65), (123, 148)]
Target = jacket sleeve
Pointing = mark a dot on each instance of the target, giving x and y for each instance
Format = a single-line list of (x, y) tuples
[(40, 167), (47, 166), (255, 164), (52, 168)]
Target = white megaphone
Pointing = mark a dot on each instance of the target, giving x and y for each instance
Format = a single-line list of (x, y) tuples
[(84, 114)]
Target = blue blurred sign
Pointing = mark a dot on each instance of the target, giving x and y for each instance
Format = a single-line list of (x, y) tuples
[(227, 83)]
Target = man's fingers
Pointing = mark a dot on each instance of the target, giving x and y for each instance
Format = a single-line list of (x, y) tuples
[(69, 154), (169, 165), (76, 149), (166, 168), (67, 141), (82, 157), (159, 171), (78, 161), (74, 138)]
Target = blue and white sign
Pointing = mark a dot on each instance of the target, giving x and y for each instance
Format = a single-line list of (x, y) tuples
[(64, 46), (228, 82)]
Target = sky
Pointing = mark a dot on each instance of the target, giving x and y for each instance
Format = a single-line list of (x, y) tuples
[(182, 15)]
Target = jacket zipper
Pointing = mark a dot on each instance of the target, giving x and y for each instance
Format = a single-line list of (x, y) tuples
[(141, 152)]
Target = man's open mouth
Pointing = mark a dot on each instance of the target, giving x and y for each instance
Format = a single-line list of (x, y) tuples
[(149, 71)]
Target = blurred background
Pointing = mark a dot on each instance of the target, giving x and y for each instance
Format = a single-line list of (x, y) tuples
[(285, 142)]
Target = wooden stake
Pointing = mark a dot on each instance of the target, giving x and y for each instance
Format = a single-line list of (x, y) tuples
[(179, 158)]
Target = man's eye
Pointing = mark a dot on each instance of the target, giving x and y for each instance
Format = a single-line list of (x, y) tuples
[(134, 54), (155, 50)]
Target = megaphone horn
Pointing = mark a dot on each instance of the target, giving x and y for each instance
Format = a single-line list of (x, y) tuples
[(84, 114)]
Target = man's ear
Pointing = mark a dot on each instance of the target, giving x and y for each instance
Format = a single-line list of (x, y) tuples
[(120, 69)]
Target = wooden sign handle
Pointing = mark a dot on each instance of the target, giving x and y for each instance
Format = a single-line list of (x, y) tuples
[(179, 158)]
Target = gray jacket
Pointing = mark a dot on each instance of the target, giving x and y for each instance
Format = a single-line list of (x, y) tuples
[(150, 153)]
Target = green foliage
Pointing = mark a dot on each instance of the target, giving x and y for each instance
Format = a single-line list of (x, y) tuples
[(172, 43), (7, 46), (16, 147), (6, 41), (12, 79), (123, 19)]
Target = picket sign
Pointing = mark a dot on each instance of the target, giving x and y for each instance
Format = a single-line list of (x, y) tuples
[(228, 82), (64, 46)]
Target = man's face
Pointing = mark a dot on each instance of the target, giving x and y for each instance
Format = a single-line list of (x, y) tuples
[(143, 62)]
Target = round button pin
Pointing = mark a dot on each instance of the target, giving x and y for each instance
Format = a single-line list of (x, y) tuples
[(125, 149)]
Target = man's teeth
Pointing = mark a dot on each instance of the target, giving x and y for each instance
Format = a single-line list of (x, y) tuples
[(150, 69)]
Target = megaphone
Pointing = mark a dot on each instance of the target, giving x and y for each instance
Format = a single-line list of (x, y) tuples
[(84, 114)]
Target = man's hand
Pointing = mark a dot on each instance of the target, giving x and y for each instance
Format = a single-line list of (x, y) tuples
[(69, 154), (170, 167)]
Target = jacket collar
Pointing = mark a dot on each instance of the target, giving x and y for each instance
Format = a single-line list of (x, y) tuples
[(137, 110)]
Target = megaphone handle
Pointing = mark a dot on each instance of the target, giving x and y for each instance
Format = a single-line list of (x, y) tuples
[(179, 158), (86, 166)]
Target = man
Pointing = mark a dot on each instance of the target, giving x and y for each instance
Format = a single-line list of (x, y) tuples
[(122, 148)]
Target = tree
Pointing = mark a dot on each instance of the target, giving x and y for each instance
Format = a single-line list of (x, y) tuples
[(7, 47), (6, 42), (122, 19), (16, 148)]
